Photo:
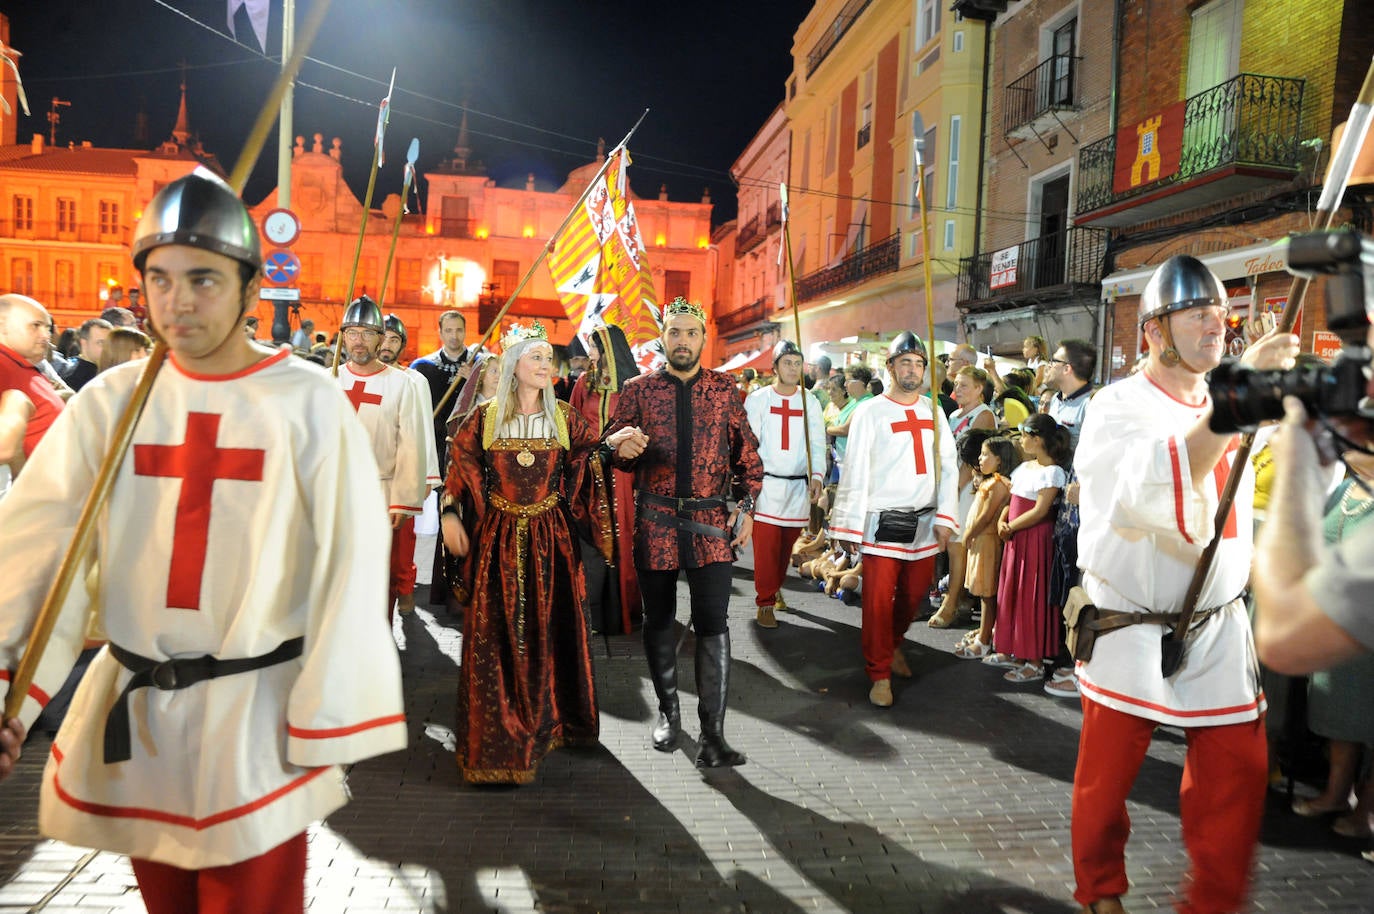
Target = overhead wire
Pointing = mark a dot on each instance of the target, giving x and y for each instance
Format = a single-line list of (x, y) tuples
[(641, 158)]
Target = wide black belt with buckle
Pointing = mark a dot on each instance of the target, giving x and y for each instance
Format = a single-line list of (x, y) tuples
[(170, 675), (685, 524)]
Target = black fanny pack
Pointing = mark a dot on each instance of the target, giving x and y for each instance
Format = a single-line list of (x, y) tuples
[(899, 525)]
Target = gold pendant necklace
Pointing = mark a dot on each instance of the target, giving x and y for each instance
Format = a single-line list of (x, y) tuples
[(525, 458)]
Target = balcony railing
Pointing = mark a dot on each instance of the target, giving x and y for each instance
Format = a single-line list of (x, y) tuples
[(751, 313), (865, 134), (878, 258), (837, 30), (748, 238), (1075, 257), (774, 216), (1052, 86), (84, 232), (454, 228), (1247, 120)]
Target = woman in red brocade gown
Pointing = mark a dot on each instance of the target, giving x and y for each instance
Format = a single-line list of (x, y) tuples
[(524, 469), (612, 589)]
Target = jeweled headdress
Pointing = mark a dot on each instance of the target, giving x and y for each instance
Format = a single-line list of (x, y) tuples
[(681, 305), (519, 334)]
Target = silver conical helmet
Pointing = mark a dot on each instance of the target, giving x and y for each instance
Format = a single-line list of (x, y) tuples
[(393, 324), (363, 312), (784, 347), (904, 342), (200, 211), (1180, 282)]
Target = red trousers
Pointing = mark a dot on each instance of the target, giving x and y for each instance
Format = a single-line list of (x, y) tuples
[(1221, 803), (271, 883), (402, 559), (892, 590), (772, 552)]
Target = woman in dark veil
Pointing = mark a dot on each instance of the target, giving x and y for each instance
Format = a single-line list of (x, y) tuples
[(613, 602)]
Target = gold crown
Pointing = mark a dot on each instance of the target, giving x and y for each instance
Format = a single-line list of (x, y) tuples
[(681, 305), (519, 334)]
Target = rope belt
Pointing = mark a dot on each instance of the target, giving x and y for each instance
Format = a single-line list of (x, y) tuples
[(171, 675), (681, 505), (506, 506)]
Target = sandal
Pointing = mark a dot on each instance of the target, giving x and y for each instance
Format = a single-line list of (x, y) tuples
[(1307, 808), (1026, 672), (1003, 660), (1062, 684), (973, 650), (1351, 827)]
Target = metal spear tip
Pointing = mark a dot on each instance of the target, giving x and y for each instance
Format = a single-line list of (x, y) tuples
[(413, 152)]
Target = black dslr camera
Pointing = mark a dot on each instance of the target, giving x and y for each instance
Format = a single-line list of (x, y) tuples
[(1243, 397)]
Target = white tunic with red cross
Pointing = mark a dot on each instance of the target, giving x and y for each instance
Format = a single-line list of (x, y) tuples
[(777, 423), (890, 464), (391, 410), (1142, 529), (247, 513)]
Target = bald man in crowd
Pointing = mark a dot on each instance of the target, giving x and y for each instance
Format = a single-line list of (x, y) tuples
[(28, 402)]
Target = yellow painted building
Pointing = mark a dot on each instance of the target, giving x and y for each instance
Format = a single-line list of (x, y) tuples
[(867, 78)]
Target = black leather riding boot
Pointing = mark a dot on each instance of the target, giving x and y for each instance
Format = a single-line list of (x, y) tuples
[(713, 683), (660, 649)]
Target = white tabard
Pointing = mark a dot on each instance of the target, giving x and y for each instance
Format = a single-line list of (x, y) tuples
[(1142, 530), (777, 423), (432, 478), (391, 410), (247, 513), (890, 464)]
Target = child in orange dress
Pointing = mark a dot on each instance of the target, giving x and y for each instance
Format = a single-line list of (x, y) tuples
[(997, 456)]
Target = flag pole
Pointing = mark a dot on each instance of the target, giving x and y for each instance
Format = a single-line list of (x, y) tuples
[(796, 325), (123, 433), (412, 154), (382, 117), (543, 252)]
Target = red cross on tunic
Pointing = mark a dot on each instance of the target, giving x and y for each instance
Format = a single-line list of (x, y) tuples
[(786, 412), (918, 446), (1219, 474), (197, 462), (358, 395)]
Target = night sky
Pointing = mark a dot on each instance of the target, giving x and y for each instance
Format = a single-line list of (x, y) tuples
[(543, 80)]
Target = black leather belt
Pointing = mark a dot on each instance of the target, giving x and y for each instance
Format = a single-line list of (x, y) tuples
[(170, 675), (682, 504), (779, 476)]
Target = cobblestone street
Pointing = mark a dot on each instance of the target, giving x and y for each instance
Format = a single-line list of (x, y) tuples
[(955, 800)]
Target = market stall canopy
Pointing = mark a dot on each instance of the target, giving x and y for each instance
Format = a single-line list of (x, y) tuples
[(736, 362)]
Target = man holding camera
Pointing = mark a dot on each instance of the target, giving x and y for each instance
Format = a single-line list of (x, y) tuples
[(1151, 473)]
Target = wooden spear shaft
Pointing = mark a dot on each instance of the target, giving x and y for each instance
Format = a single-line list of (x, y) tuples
[(796, 323), (411, 156), (544, 252), (930, 315), (124, 429)]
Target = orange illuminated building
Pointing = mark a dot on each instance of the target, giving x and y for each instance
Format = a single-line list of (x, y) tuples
[(67, 217)]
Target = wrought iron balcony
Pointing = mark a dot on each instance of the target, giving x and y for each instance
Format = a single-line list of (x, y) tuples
[(874, 260), (453, 228), (832, 36), (1241, 134), (748, 238), (752, 313), (1052, 86), (1058, 261), (865, 134), (774, 216)]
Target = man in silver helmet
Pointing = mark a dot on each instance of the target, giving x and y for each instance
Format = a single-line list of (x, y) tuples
[(240, 566), (791, 437), (896, 507), (394, 339), (1151, 472), (391, 409)]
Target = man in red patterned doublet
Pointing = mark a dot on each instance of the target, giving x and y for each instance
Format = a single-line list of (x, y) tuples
[(700, 450)]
